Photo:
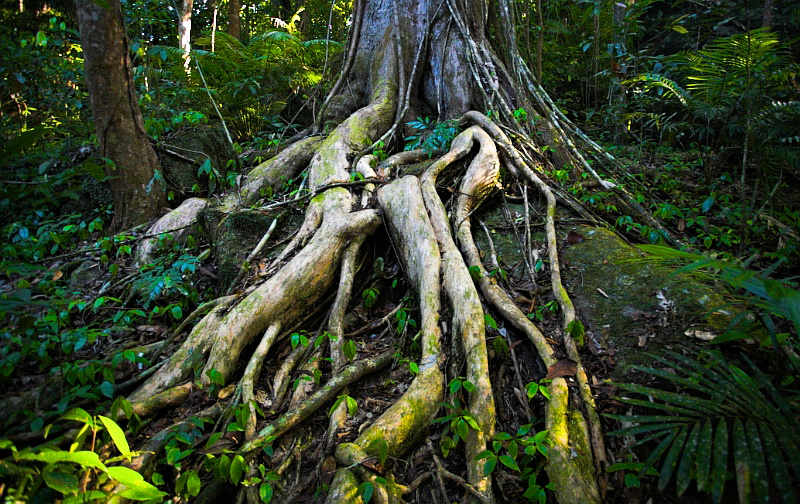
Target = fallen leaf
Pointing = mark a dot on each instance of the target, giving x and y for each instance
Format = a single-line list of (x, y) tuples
[(328, 469), (574, 237), (564, 367), (703, 335), (227, 391), (372, 463)]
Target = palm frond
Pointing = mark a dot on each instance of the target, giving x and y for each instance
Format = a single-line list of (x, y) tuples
[(724, 420)]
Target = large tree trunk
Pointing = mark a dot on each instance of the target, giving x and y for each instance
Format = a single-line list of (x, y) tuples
[(406, 58), (137, 191)]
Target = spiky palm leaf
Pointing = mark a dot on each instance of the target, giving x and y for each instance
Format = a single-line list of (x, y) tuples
[(720, 414)]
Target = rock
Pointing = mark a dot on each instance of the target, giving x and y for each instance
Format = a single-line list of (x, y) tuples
[(234, 235), (629, 306), (198, 143), (632, 305)]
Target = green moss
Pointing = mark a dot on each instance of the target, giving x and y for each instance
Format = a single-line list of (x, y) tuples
[(579, 441), (627, 319)]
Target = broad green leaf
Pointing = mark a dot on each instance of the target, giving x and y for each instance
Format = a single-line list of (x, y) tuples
[(61, 482), (352, 406), (117, 435), (224, 467), (84, 458), (777, 467), (365, 490), (78, 415), (265, 492), (462, 428), (488, 467), (107, 389), (193, 484), (760, 476), (381, 447), (125, 475), (237, 469), (707, 204), (509, 462), (142, 491), (659, 450)]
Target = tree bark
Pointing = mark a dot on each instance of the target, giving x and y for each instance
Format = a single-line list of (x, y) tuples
[(185, 30), (138, 194), (234, 19), (769, 10)]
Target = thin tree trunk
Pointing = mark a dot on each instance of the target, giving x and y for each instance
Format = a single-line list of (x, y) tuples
[(234, 19), (214, 12), (769, 10), (185, 30), (539, 40), (138, 195)]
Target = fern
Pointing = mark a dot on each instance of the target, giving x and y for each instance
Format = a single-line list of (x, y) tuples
[(722, 414), (651, 81)]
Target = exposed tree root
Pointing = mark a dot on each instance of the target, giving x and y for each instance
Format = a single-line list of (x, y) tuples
[(327, 392), (440, 261)]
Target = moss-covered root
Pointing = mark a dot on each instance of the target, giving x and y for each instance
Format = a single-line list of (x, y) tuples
[(349, 266), (327, 392), (568, 427), (274, 172), (468, 321), (344, 489), (573, 476), (401, 426), (177, 224), (251, 373), (166, 399), (352, 456), (285, 297)]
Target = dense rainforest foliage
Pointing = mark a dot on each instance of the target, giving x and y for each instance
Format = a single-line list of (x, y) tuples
[(281, 320)]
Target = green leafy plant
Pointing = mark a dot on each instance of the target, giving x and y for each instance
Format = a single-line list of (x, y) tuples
[(724, 420), (542, 311), (432, 137), (457, 423), (524, 452), (404, 320), (78, 474), (631, 471), (352, 405), (370, 296), (540, 387)]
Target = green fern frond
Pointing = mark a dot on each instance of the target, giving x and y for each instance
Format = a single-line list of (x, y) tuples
[(652, 81), (724, 420)]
